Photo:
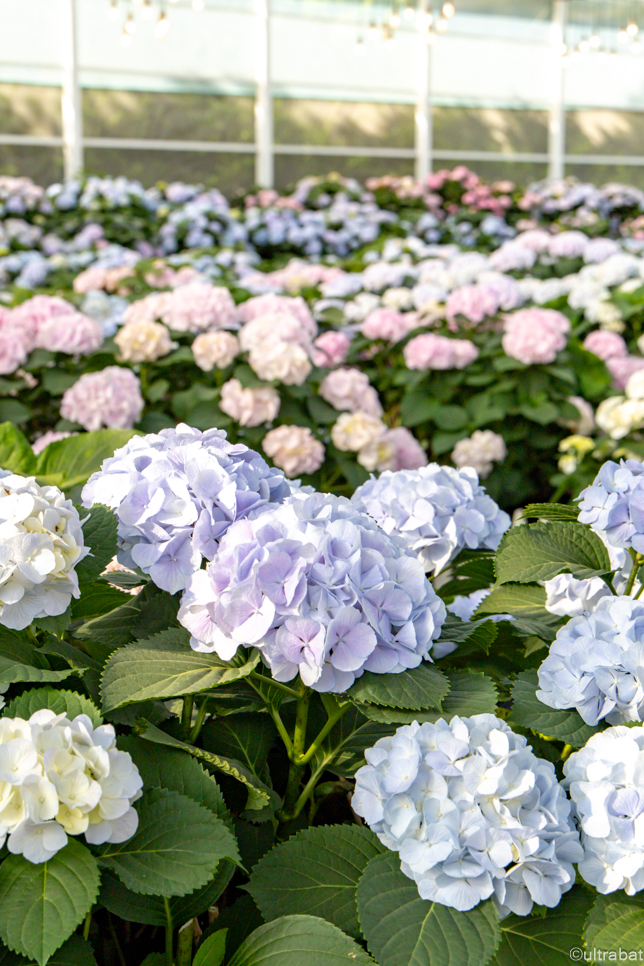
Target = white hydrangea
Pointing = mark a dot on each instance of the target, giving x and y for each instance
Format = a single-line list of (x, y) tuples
[(568, 597), (41, 541), (596, 663), (60, 777), (435, 510), (606, 785), (480, 450), (472, 812)]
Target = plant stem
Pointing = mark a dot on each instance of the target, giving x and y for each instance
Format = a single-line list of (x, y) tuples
[(308, 789), (297, 753), (119, 951), (186, 714), (87, 924), (169, 959), (637, 560), (201, 717), (254, 676), (333, 720)]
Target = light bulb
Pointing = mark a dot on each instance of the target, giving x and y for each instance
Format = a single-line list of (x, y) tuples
[(584, 46), (387, 35), (147, 11), (632, 30), (162, 26), (394, 19), (137, 3), (563, 50), (126, 39), (448, 9), (431, 37), (198, 5), (622, 37), (113, 11), (441, 25), (409, 11), (595, 41), (636, 47), (359, 47), (129, 26), (372, 31)]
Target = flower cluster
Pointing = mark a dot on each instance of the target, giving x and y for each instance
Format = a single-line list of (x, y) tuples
[(472, 812), (176, 493), (480, 450), (431, 351), (614, 504), (194, 307), (596, 663), (435, 510), (320, 589), (60, 777), (535, 336), (111, 397), (41, 542), (294, 449), (605, 784)]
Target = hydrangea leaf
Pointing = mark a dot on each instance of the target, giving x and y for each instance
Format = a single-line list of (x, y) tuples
[(246, 737), (478, 633), (113, 629), (402, 929), (294, 940), (41, 905), (212, 950), (316, 873), (16, 453), (557, 512), (548, 939), (521, 599), (176, 848), (70, 462), (543, 550), (20, 662), (471, 692), (99, 534), (165, 666), (616, 922), (529, 712), (70, 702), (421, 688)]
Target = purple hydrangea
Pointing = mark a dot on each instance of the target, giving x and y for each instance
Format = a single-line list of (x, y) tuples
[(614, 504)]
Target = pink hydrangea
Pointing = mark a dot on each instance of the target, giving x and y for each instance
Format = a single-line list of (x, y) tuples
[(537, 239), (148, 309), (74, 334), (349, 389), (298, 274), (389, 324), (265, 304), (163, 276), (51, 436), (249, 407), (13, 352), (622, 368), (31, 314), (331, 349), (431, 351), (605, 344), (199, 308), (535, 336), (474, 302), (406, 451), (96, 278), (294, 449), (274, 327), (111, 397), (568, 244)]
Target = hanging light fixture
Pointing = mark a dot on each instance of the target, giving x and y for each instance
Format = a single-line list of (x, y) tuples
[(636, 47), (198, 5), (430, 37), (146, 10), (130, 24), (126, 38), (394, 19), (387, 35), (372, 31), (410, 10), (137, 3), (442, 25), (162, 26), (448, 9), (584, 46), (595, 41), (113, 10)]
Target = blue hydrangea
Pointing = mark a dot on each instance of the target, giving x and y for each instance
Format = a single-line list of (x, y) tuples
[(175, 494), (320, 589), (435, 510), (614, 504), (472, 812)]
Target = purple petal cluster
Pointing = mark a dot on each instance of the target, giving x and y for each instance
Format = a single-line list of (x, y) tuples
[(175, 495), (614, 504), (320, 589)]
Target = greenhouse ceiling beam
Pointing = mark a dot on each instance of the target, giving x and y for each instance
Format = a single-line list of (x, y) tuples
[(264, 168), (423, 111), (71, 104), (557, 118)]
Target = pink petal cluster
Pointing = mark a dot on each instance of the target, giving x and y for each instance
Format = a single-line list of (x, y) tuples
[(96, 278), (111, 397), (349, 389), (537, 239), (275, 327), (396, 449), (431, 351), (294, 449), (194, 307), (51, 436), (164, 276), (270, 303), (74, 334), (605, 344), (622, 368), (249, 407), (31, 314), (535, 336), (13, 352), (389, 324), (331, 349), (568, 244), (298, 274), (474, 302)]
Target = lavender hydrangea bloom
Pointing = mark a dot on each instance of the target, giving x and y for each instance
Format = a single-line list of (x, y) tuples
[(472, 812), (320, 590), (605, 784), (614, 503), (175, 495), (596, 663), (435, 510)]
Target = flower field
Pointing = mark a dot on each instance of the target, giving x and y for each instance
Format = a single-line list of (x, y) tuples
[(321, 629)]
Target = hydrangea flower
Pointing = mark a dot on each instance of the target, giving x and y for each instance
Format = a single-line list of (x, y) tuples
[(568, 597), (111, 397), (596, 663), (605, 784), (614, 503), (320, 589), (41, 541), (175, 494), (60, 777), (472, 812), (435, 510)]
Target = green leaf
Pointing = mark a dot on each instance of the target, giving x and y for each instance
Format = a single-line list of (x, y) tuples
[(616, 922), (479, 633), (19, 662), (299, 940), (175, 849), (402, 929), (421, 688), (211, 952), (529, 712), (95, 600), (543, 413), (70, 462), (16, 453), (546, 940), (69, 702), (471, 692), (557, 512), (417, 407), (523, 599), (315, 873), (259, 795), (450, 418), (41, 905), (247, 738), (99, 534), (124, 580), (543, 550), (165, 666), (113, 629)]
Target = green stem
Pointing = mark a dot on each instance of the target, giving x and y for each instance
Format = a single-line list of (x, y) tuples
[(201, 717), (637, 560), (169, 926), (186, 714), (333, 720), (297, 753), (639, 592), (308, 789), (559, 492), (254, 676), (87, 924), (281, 727)]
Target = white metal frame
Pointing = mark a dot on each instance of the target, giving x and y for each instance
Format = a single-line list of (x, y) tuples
[(557, 118), (423, 111), (71, 103)]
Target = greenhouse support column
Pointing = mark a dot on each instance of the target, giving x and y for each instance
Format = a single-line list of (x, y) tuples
[(70, 94), (263, 98), (557, 122), (423, 112)]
